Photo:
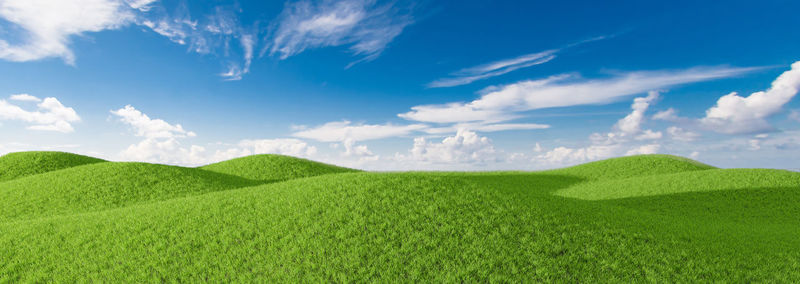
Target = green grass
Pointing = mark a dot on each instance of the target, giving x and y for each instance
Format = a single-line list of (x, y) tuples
[(731, 225), (21, 164), (691, 181), (635, 166), (270, 167), (104, 186)]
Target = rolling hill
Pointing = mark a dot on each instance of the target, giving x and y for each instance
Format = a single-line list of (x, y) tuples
[(652, 218), (269, 167), (21, 164), (105, 185)]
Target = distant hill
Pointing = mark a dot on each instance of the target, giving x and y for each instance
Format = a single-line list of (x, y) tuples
[(633, 166), (105, 186), (21, 164), (269, 167)]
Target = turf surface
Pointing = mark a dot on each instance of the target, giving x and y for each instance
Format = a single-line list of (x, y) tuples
[(689, 223), (21, 164), (270, 167)]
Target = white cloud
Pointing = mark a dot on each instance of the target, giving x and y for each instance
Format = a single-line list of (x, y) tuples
[(649, 135), (506, 102), (795, 115), (735, 114), (219, 33), (497, 68), (344, 130), (564, 156), (164, 151), (50, 115), (680, 134), (286, 146), (500, 67), (644, 149), (150, 128), (465, 147), (141, 5), (49, 25), (24, 98), (46, 28), (480, 127), (363, 25), (632, 124), (611, 144), (671, 115), (161, 142)]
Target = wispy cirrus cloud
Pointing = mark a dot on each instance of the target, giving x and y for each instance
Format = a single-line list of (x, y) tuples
[(500, 67), (342, 131), (507, 102), (218, 31), (366, 26)]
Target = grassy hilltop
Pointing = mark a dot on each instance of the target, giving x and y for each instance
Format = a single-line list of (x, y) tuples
[(272, 218)]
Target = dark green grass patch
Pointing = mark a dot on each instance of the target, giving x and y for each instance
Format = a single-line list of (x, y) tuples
[(21, 164), (270, 167), (104, 186)]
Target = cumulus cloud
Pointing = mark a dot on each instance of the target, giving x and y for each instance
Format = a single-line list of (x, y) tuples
[(163, 143), (345, 130), (50, 114), (624, 135), (162, 140), (365, 26), (681, 134), (564, 155), (644, 149), (507, 102), (734, 114), (144, 126), (164, 151), (464, 147), (632, 123), (48, 26), (286, 146)]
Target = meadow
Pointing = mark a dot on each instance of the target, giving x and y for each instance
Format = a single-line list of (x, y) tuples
[(268, 218)]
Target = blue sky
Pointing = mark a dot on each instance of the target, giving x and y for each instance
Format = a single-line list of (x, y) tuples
[(395, 85)]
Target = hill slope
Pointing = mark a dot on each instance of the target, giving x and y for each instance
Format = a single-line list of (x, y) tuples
[(691, 181), (633, 166), (426, 227), (270, 167), (21, 164), (104, 186)]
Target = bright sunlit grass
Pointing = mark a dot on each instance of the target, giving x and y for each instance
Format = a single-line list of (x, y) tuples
[(647, 218)]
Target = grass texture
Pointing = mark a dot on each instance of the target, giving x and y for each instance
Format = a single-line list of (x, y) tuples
[(651, 218), (269, 167), (21, 164)]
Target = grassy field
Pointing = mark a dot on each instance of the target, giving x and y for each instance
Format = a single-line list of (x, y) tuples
[(653, 218)]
